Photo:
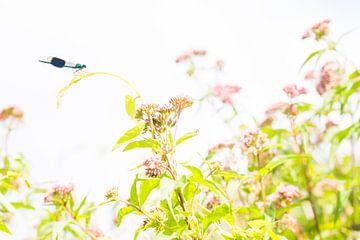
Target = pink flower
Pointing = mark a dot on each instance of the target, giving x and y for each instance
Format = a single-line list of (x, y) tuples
[(290, 222), (225, 92), (58, 192), (293, 90), (252, 141), (318, 30), (330, 76), (97, 232), (190, 53), (280, 106), (284, 195), (310, 75), (154, 166), (325, 185)]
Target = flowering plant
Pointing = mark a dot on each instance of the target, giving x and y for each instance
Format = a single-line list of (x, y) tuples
[(300, 179)]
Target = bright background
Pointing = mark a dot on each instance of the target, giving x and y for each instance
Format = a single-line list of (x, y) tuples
[(260, 42)]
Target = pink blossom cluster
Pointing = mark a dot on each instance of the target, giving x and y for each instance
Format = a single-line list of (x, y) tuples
[(290, 222), (58, 192), (97, 232), (325, 185), (189, 54), (318, 30), (293, 90), (225, 92), (330, 76), (276, 107), (12, 112), (285, 195), (252, 141), (154, 166)]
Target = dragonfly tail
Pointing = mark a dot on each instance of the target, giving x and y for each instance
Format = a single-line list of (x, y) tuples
[(44, 61)]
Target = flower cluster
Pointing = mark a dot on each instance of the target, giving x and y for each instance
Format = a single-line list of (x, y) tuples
[(252, 141), (285, 195), (325, 185), (330, 76), (180, 102), (189, 54), (318, 31), (211, 200), (225, 92), (276, 107), (290, 222), (159, 118), (293, 90), (112, 194), (11, 113), (58, 193), (221, 146), (154, 166)]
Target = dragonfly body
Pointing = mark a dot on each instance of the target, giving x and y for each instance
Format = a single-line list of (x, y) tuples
[(60, 63)]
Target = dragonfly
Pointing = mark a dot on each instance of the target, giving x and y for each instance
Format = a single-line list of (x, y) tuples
[(60, 63)]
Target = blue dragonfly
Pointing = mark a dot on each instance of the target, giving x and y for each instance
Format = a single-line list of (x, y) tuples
[(60, 63)]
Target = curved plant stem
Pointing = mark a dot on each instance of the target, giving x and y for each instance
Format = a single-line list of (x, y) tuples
[(81, 76)]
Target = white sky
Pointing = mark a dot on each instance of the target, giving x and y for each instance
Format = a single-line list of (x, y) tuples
[(260, 42)]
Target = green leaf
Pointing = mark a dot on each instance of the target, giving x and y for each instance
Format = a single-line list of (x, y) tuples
[(189, 191), (273, 235), (229, 174), (134, 198), (341, 198), (198, 177), (80, 206), (257, 224), (215, 215), (195, 172), (146, 187), (313, 54), (148, 143), (130, 134), (130, 106), (354, 74), (187, 136), (4, 228), (7, 205), (58, 230), (336, 140), (122, 213), (274, 163)]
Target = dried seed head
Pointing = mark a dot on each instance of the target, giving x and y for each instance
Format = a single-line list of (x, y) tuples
[(181, 102), (112, 194), (11, 113), (166, 109), (211, 200)]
